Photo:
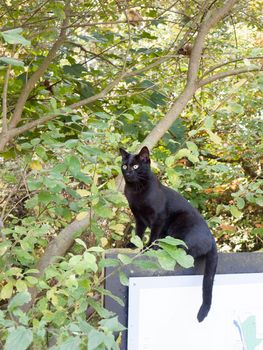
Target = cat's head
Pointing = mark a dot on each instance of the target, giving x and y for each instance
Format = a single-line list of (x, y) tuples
[(135, 167)]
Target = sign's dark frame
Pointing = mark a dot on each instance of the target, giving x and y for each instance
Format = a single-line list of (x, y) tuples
[(228, 263)]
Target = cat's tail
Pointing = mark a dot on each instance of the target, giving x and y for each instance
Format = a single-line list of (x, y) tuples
[(208, 280)]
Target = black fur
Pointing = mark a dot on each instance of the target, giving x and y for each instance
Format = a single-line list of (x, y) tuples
[(167, 213)]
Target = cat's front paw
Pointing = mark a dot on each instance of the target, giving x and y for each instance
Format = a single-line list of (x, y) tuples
[(130, 245)]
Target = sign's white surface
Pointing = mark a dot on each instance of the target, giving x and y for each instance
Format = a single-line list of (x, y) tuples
[(162, 313)]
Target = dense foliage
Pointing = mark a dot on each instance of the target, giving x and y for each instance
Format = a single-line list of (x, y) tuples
[(78, 80)]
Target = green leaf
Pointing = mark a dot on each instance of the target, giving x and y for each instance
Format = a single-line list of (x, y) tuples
[(173, 177), (125, 259), (103, 211), (109, 294), (183, 258), (95, 338), (21, 285), (236, 108), (128, 116), (112, 324), (109, 263), (258, 231), (137, 242), (146, 264), (193, 158), (12, 61), (259, 201), (104, 313), (235, 212), (192, 147), (18, 339), (80, 242), (73, 164), (19, 300), (96, 249), (170, 249), (7, 291), (31, 279), (123, 278), (172, 241), (184, 152), (209, 123), (45, 197), (75, 70), (240, 202), (4, 247), (116, 198), (90, 259), (13, 36), (169, 161), (158, 99), (69, 344), (165, 260)]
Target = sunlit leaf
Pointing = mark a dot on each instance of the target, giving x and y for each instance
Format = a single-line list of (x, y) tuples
[(12, 61), (19, 338), (123, 278), (13, 36), (19, 300)]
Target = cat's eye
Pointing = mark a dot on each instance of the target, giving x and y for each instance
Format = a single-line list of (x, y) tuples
[(136, 166), (124, 167)]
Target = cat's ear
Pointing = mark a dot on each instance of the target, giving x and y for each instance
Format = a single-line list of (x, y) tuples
[(144, 154), (123, 153)]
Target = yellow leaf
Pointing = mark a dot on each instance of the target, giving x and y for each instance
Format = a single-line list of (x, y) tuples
[(83, 193), (82, 215), (118, 341), (214, 137), (239, 84), (21, 285), (7, 291), (103, 241), (118, 228), (35, 165)]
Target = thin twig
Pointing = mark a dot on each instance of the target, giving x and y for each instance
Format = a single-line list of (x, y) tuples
[(32, 14), (4, 120), (229, 62), (226, 74), (235, 36)]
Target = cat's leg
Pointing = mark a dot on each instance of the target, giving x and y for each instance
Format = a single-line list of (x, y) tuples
[(140, 227), (156, 230)]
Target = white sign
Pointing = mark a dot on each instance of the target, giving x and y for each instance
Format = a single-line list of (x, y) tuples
[(163, 310)]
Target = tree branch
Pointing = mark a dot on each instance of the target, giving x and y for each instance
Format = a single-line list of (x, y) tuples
[(16, 117), (192, 84), (4, 100), (229, 62), (226, 74), (210, 21), (91, 24), (28, 126), (13, 131)]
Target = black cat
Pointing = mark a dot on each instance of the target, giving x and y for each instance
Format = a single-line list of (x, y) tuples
[(167, 213)]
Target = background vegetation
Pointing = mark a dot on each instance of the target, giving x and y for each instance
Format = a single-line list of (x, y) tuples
[(78, 80)]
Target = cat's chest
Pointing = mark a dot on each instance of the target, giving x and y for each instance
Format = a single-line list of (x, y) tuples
[(142, 208)]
